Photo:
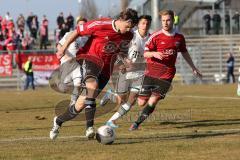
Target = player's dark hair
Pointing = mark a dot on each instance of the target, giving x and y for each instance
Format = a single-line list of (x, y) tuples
[(147, 17), (129, 14), (167, 12)]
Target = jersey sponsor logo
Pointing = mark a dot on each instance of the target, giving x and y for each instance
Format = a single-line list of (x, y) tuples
[(169, 52), (112, 47), (124, 45)]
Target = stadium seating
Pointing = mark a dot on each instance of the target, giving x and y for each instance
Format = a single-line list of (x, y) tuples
[(210, 55)]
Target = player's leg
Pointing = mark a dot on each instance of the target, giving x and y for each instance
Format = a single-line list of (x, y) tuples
[(117, 87), (64, 79), (90, 105), (142, 100), (111, 94), (158, 91), (77, 76), (146, 112), (74, 108), (122, 89), (32, 82), (72, 111), (95, 82), (134, 85), (27, 81)]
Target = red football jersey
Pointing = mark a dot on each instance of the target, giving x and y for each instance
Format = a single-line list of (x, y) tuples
[(167, 44), (104, 42)]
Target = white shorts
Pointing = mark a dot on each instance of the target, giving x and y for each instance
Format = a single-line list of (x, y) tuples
[(74, 77), (125, 85)]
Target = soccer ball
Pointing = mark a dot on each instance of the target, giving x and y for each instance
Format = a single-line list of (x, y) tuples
[(105, 135)]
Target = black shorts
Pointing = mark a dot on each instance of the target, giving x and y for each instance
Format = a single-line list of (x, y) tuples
[(90, 69), (94, 70), (157, 87)]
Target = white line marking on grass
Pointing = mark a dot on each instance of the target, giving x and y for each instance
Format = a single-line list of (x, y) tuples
[(132, 135), (38, 138), (205, 97)]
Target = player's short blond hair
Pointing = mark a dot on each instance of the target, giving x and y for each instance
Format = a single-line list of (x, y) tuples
[(80, 18), (166, 12)]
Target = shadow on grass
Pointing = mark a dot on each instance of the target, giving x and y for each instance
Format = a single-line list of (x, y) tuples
[(202, 123), (155, 138), (50, 127)]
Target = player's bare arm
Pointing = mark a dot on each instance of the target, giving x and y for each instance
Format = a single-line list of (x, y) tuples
[(73, 36), (59, 47), (158, 55)]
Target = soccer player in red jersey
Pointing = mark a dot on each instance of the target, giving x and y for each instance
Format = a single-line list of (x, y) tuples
[(107, 38), (161, 53)]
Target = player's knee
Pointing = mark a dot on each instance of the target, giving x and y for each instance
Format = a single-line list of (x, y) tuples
[(153, 100), (91, 83), (78, 107), (142, 101)]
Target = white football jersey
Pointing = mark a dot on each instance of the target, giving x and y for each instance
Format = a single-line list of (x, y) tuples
[(135, 54), (136, 48), (74, 46)]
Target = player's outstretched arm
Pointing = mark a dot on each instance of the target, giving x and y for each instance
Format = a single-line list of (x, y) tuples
[(72, 37), (65, 56), (188, 58)]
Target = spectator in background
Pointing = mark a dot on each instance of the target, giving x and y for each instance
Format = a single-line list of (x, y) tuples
[(45, 24), (1, 36), (8, 17), (230, 68), (34, 27), (63, 30), (26, 42), (12, 37), (227, 23), (216, 22), (60, 20), (236, 22), (29, 74), (4, 27), (70, 22), (21, 24), (176, 22), (29, 21), (0, 23), (207, 22), (43, 36)]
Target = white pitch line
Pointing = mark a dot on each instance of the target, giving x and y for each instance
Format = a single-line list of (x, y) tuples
[(121, 135), (205, 97), (38, 138)]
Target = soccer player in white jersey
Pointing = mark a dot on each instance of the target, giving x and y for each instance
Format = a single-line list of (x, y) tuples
[(72, 73), (131, 81)]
